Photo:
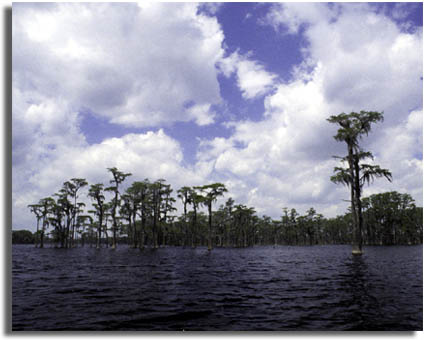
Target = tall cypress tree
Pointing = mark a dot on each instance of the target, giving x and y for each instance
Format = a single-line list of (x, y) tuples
[(352, 127)]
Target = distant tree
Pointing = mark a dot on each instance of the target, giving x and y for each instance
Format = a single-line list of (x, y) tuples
[(183, 194), (56, 220), (243, 217), (195, 199), (166, 208), (310, 225), (220, 219), (228, 209), (155, 204), (47, 204), (22, 237), (118, 178), (85, 222), (293, 225), (211, 192), (142, 192), (96, 194), (108, 217), (352, 127), (73, 186), (37, 210), (127, 213), (390, 219), (68, 212), (319, 221)]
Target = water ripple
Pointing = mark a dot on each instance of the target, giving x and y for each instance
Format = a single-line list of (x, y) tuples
[(261, 288)]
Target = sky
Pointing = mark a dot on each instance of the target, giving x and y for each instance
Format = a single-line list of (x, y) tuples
[(236, 93)]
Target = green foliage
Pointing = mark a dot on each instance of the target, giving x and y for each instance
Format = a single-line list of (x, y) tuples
[(370, 172), (392, 218), (354, 126), (342, 176), (210, 193), (22, 237)]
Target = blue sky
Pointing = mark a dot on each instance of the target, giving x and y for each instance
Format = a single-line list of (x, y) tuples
[(197, 93)]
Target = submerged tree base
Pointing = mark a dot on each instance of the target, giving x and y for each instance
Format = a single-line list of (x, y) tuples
[(357, 251)]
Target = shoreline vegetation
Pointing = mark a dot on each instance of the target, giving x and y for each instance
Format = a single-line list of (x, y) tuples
[(390, 218), (143, 214)]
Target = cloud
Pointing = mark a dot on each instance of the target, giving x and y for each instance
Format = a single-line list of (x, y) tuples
[(400, 149), (380, 71), (252, 78), (290, 17), (134, 65), (152, 154), (367, 59), (202, 114), (211, 8)]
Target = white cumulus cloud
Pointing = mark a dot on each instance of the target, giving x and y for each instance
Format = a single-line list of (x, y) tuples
[(252, 78), (134, 65)]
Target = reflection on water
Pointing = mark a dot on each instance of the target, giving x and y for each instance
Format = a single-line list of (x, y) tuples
[(361, 303), (261, 288)]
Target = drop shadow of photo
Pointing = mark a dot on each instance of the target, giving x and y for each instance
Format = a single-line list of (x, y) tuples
[(7, 167)]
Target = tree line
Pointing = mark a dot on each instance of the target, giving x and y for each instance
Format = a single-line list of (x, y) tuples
[(143, 214)]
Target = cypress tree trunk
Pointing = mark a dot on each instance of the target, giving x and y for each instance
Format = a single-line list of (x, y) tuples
[(185, 237), (106, 235), (142, 233), (359, 236), (155, 218), (114, 234), (65, 238), (164, 237), (42, 239), (209, 227), (245, 244), (141, 240), (134, 229), (130, 231), (155, 237), (42, 234), (99, 231), (68, 233), (194, 228), (114, 220), (357, 242), (99, 235), (74, 217), (36, 234)]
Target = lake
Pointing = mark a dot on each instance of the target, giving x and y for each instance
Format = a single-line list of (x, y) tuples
[(259, 288)]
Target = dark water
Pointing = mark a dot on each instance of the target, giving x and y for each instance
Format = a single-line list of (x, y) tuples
[(261, 288)]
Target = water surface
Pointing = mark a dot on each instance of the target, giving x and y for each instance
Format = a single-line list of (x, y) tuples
[(260, 288)]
